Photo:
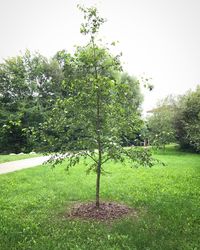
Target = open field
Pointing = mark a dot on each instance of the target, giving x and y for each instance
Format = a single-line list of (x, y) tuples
[(7, 158), (33, 202)]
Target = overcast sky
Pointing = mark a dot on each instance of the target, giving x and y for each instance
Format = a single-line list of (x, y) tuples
[(159, 38)]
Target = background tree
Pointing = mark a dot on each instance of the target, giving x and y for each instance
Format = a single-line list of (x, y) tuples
[(187, 120), (129, 133), (29, 86), (98, 110), (160, 123), (13, 91)]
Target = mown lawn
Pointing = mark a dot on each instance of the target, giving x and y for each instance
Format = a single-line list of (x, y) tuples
[(167, 199), (7, 158)]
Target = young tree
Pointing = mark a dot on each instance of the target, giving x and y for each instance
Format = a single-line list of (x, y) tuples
[(97, 111)]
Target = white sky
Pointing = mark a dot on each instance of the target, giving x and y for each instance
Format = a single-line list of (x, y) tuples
[(158, 38)]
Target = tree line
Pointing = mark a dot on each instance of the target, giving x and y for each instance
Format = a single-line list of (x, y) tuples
[(31, 84), (176, 119), (30, 87)]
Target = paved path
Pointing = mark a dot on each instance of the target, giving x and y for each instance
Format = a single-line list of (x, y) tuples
[(21, 164)]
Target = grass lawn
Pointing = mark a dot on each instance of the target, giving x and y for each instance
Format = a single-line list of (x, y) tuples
[(7, 158), (167, 199)]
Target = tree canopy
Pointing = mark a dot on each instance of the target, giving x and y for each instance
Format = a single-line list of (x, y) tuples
[(29, 85), (187, 120), (160, 123), (177, 119)]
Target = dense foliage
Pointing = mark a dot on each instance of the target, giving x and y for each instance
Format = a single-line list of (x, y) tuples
[(176, 120), (160, 123), (29, 85), (187, 120)]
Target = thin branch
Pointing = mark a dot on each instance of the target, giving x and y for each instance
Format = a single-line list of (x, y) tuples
[(92, 158), (107, 159)]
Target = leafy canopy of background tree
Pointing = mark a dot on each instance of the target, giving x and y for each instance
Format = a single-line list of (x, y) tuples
[(187, 120), (176, 120), (29, 85), (99, 110), (160, 123)]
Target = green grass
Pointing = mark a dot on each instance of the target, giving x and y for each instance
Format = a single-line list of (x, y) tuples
[(7, 158), (167, 200)]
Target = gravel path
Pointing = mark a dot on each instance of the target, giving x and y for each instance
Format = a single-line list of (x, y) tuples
[(22, 164)]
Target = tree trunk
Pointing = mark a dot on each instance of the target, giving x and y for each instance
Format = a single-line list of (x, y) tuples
[(98, 128), (98, 184), (99, 152)]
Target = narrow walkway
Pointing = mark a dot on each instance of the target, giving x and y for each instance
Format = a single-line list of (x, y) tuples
[(22, 164)]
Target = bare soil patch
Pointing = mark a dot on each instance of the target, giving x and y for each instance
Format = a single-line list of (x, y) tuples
[(107, 211)]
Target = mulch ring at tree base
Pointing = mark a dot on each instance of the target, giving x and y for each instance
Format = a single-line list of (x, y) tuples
[(107, 211)]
